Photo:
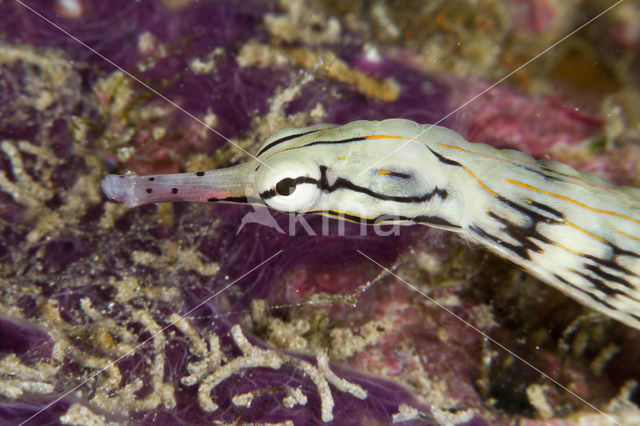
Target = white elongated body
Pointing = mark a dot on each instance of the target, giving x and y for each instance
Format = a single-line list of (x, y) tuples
[(572, 230)]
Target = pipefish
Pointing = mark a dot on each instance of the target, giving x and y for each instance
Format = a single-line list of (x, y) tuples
[(572, 230)]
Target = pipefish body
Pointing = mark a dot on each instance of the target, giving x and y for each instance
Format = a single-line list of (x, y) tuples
[(572, 230)]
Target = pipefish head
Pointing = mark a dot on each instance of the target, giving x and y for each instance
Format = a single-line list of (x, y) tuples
[(362, 171)]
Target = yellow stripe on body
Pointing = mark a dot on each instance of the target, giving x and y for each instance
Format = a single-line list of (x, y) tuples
[(578, 203), (533, 162), (627, 235), (485, 187), (567, 249), (383, 137), (587, 232)]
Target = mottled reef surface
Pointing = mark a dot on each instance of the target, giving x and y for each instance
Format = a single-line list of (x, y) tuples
[(92, 292)]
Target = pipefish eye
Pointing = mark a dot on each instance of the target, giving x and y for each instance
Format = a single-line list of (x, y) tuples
[(289, 182), (285, 187), (293, 195)]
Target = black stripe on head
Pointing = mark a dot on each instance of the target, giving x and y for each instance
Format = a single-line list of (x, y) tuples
[(270, 193), (424, 220), (338, 142), (444, 159), (341, 141), (366, 220), (342, 183), (284, 139)]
